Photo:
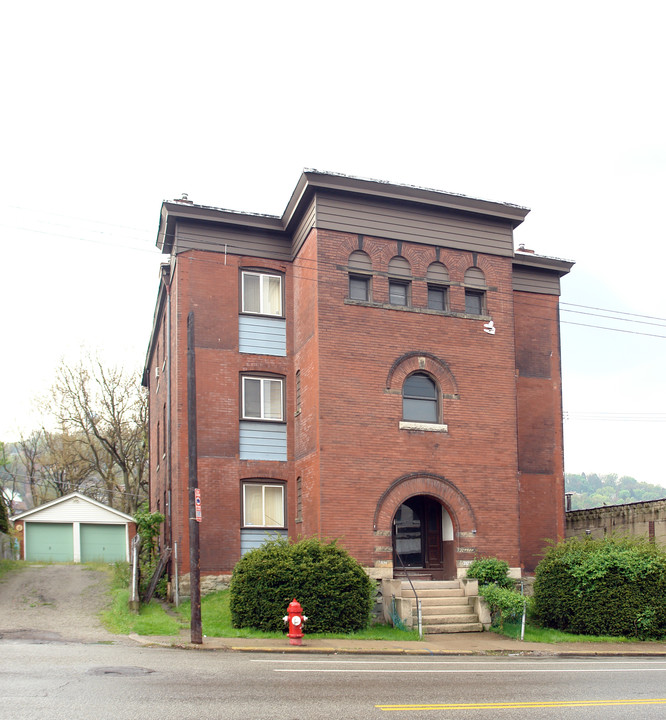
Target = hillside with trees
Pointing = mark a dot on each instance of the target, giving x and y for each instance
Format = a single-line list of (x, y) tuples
[(594, 490)]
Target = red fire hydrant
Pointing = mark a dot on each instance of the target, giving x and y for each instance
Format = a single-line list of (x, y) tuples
[(295, 618)]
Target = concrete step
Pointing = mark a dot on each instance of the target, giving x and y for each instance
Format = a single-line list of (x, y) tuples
[(433, 592), (453, 628), (449, 601), (445, 610), (432, 584), (449, 619)]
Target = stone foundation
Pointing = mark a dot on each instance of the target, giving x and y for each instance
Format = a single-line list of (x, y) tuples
[(207, 584)]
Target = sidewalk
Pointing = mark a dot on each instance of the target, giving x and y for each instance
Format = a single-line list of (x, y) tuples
[(483, 643)]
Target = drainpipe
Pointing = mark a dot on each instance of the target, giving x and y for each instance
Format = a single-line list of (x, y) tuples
[(166, 281)]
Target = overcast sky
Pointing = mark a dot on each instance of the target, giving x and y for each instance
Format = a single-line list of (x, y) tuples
[(110, 108)]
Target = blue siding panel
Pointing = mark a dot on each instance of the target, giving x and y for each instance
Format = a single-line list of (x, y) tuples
[(255, 537), (263, 441), (262, 335)]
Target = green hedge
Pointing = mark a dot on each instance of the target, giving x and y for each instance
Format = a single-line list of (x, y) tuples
[(489, 570), (335, 592), (505, 605), (613, 587)]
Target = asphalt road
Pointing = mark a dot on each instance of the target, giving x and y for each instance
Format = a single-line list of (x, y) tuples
[(54, 680), (57, 662)]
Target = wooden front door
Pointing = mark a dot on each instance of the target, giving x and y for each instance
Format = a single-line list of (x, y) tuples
[(432, 512), (417, 536)]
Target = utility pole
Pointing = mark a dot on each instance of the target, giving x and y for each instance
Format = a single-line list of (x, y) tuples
[(193, 485)]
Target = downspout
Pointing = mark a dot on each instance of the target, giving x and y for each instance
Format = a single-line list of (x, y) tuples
[(166, 281), (168, 365)]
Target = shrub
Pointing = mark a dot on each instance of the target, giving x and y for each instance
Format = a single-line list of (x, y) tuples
[(335, 592), (489, 570), (148, 527), (505, 605), (615, 586)]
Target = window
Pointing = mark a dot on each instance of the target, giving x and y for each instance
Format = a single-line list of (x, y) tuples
[(475, 291), (438, 280), (298, 391), (262, 398), (164, 430), (263, 505), (299, 499), (261, 293), (437, 299), (399, 283), (419, 399), (474, 302), (360, 272), (398, 293), (359, 287)]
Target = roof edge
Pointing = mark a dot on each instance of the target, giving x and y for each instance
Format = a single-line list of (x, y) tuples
[(59, 500), (543, 262), (312, 180)]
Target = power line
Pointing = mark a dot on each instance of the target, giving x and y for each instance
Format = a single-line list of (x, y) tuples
[(620, 312), (602, 327), (204, 238), (600, 416)]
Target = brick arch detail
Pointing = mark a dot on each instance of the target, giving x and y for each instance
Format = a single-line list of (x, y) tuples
[(347, 244), (486, 266), (437, 486), (422, 362)]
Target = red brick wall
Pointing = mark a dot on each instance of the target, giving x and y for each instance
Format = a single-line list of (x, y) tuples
[(209, 286), (362, 448), (305, 429), (540, 445), (345, 444)]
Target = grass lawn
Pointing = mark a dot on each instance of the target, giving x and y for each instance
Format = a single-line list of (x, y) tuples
[(8, 565), (151, 620), (154, 619), (216, 622), (547, 635)]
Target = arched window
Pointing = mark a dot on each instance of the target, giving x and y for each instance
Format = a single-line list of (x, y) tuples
[(475, 291), (419, 399), (360, 272), (438, 282), (400, 274)]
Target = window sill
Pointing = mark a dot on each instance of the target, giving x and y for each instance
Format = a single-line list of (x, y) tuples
[(423, 427), (263, 315), (268, 421), (411, 308), (267, 528)]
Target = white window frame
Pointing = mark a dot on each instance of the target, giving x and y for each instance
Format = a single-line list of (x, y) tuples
[(263, 487), (263, 383), (263, 277)]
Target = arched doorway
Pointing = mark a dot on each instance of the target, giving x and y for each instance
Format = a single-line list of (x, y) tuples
[(423, 539)]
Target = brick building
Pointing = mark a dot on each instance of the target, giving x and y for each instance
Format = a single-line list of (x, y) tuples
[(376, 365)]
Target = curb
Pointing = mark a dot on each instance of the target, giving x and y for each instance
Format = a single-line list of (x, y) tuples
[(219, 646)]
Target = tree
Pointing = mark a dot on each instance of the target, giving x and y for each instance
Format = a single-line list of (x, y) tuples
[(11, 480), (4, 500), (102, 414), (28, 453), (595, 491)]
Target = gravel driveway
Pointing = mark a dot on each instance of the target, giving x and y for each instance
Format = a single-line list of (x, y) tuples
[(52, 603)]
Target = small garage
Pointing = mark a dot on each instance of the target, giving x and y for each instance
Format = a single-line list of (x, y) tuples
[(74, 528)]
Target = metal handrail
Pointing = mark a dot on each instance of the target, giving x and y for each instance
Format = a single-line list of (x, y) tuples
[(418, 601)]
